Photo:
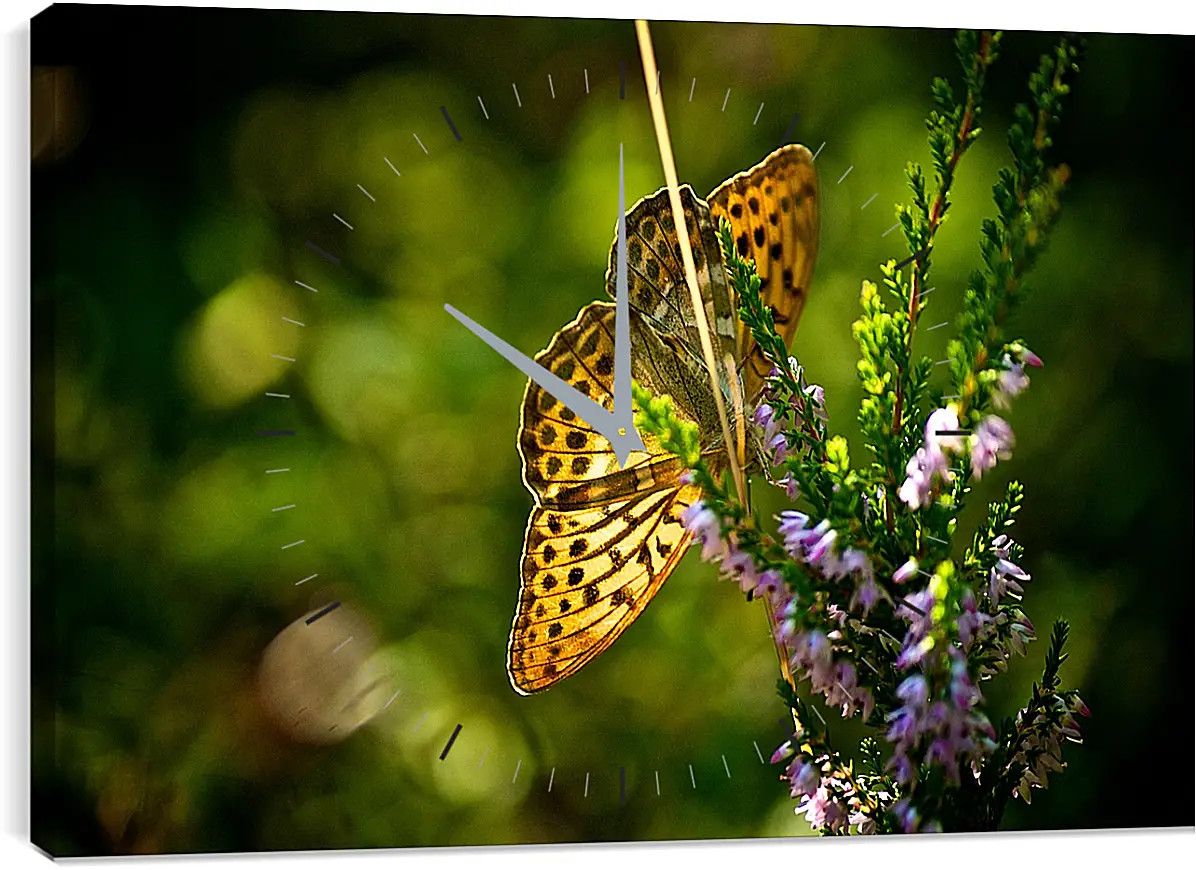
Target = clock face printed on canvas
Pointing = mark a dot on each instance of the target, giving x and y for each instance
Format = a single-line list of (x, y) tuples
[(304, 568)]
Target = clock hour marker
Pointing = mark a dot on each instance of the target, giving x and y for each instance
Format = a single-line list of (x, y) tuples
[(451, 740), (324, 612), (788, 131), (327, 256), (452, 126)]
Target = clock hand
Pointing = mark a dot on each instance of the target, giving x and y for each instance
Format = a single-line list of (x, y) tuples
[(617, 426), (624, 412)]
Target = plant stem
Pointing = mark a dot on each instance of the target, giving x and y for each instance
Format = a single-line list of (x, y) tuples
[(937, 209)]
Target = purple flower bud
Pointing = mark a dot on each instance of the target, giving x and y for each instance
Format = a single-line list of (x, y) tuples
[(782, 752), (914, 691), (823, 545), (866, 594), (738, 565), (906, 571), (792, 521), (764, 415), (903, 769), (1010, 383), (992, 440)]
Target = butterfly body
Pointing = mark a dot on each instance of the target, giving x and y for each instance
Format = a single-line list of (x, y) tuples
[(603, 537)]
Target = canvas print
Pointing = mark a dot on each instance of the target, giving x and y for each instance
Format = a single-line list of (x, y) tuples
[(481, 431)]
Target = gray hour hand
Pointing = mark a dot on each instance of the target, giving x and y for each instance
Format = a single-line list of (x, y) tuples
[(617, 426)]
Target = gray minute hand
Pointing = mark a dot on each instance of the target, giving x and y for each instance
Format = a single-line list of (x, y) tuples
[(617, 426)]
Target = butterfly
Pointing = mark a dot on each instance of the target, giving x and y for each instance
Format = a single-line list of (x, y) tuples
[(602, 539)]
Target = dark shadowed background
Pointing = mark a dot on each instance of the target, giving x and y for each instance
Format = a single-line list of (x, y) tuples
[(182, 161)]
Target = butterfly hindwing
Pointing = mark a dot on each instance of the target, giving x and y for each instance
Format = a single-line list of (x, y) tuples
[(587, 575), (615, 528), (773, 212)]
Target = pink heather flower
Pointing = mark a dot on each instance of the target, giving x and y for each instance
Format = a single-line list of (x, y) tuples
[(867, 594), (765, 418), (971, 621), (804, 778), (799, 541), (1010, 383), (794, 529), (823, 811), (929, 464), (792, 487), (902, 768), (1021, 632), (768, 584), (1001, 546), (909, 569), (822, 546), (992, 440), (704, 524), (864, 823), (943, 420), (925, 468), (1013, 379), (914, 692), (904, 727), (813, 659), (1005, 578), (853, 562), (740, 566)]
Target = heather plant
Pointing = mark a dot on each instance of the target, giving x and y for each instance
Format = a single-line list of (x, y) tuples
[(882, 604)]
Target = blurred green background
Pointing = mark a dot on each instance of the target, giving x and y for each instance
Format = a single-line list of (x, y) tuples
[(183, 158)]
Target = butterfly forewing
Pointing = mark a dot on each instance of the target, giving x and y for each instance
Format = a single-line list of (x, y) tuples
[(773, 212), (602, 539)]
